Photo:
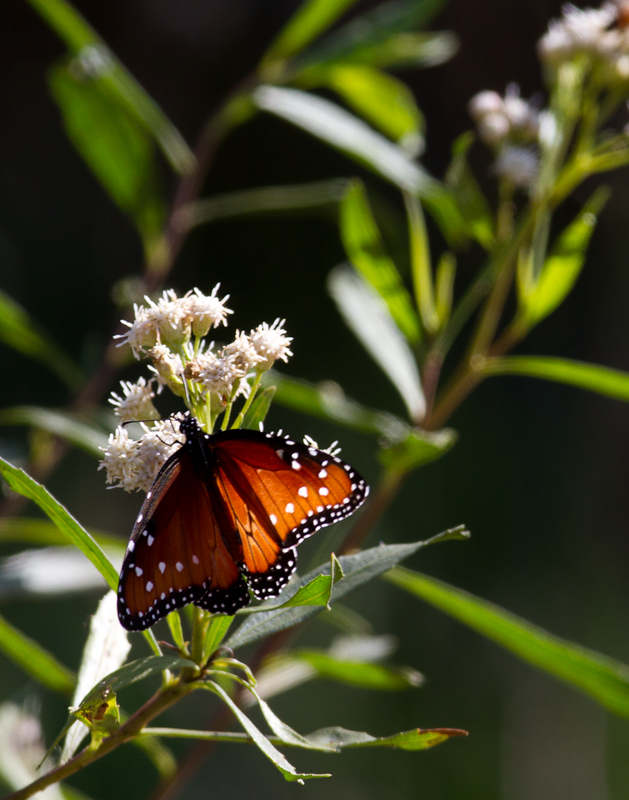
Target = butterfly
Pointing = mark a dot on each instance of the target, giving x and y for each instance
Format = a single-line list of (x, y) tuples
[(223, 518)]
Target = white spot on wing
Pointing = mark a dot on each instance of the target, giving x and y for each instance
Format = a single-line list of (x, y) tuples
[(290, 508), (323, 474), (150, 540), (303, 491), (179, 566), (149, 586), (138, 571), (162, 567), (324, 491), (273, 519)]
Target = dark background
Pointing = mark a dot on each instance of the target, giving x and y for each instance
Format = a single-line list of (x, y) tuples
[(539, 474)]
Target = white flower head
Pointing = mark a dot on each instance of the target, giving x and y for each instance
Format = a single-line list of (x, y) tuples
[(143, 332), (243, 353), (271, 343), (207, 311), (172, 318), (504, 118), (167, 368), (136, 403), (133, 465), (519, 165), (216, 373), (579, 31)]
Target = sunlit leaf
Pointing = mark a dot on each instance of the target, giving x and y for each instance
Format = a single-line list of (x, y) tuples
[(105, 650), (312, 19), (384, 101), (327, 400), (96, 59), (259, 409), (216, 632), (19, 331), (59, 423), (417, 739), (357, 569), (359, 673), (365, 249), (416, 449), (604, 678), (594, 378), (368, 316), (28, 530), (343, 130), (444, 286), (34, 660), (24, 485), (114, 144), (564, 263), (421, 268), (272, 753)]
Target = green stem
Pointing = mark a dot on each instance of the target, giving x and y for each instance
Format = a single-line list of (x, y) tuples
[(249, 401)]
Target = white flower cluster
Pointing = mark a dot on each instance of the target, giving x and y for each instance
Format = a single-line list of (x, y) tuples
[(172, 320), (223, 372), (133, 464), (511, 126), (504, 119), (598, 33), (137, 402)]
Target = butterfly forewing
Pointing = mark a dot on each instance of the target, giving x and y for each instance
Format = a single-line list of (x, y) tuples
[(224, 516)]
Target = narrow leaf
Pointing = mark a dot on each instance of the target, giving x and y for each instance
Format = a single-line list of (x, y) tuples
[(384, 101), (468, 195), (311, 20), (216, 632), (327, 400), (114, 144), (418, 448), (604, 678), (365, 249), (58, 423), (563, 266), (26, 530), (94, 57), (367, 315), (352, 136), (176, 631), (444, 287), (420, 264), (24, 485), (105, 650), (259, 409), (34, 660), (288, 771), (604, 380), (19, 331), (417, 739), (357, 569), (359, 673)]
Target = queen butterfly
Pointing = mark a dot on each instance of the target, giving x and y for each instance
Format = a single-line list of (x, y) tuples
[(223, 519)]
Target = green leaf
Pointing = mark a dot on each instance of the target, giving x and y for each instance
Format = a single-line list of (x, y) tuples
[(34, 660), (264, 200), (350, 135), (311, 20), (358, 569), (328, 401), (216, 632), (385, 36), (368, 317), (27, 530), (418, 448), (365, 249), (416, 739), (284, 766), (384, 101), (24, 485), (94, 58), (106, 648), (420, 264), (610, 382), (19, 331), (259, 409), (360, 673), (114, 144), (605, 679), (471, 201), (176, 631), (563, 266), (58, 423), (444, 287)]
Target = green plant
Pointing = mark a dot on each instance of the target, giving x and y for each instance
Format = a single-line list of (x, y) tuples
[(540, 157)]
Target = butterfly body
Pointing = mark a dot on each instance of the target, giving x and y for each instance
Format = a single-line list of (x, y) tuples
[(223, 519)]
